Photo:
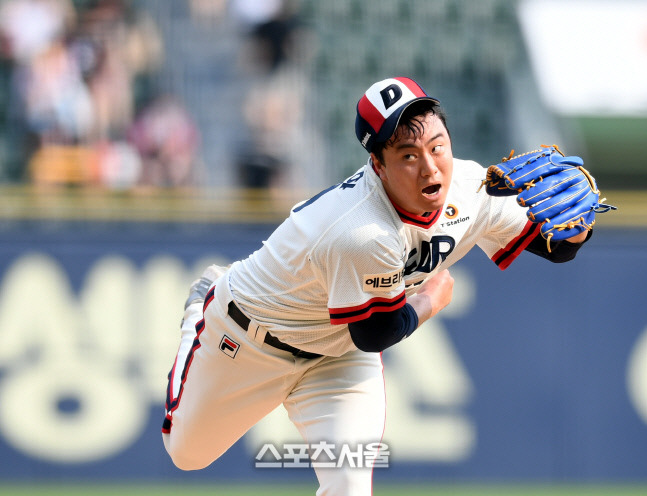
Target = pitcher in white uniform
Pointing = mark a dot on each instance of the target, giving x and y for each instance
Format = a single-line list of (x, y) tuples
[(353, 270)]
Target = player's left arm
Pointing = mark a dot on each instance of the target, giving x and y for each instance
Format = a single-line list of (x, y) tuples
[(558, 251), (579, 238), (561, 196)]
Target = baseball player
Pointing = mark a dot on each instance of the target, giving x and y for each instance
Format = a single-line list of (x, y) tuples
[(353, 270)]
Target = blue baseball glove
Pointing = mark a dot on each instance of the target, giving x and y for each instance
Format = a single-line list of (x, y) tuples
[(559, 192)]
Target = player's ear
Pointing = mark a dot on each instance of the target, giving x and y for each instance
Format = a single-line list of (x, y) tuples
[(378, 165)]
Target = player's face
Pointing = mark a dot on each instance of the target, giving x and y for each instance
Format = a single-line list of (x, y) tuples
[(416, 171)]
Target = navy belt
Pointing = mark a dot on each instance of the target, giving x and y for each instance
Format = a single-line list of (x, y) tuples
[(243, 321)]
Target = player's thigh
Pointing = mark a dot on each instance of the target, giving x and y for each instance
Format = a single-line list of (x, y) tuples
[(341, 398), (340, 403), (223, 393)]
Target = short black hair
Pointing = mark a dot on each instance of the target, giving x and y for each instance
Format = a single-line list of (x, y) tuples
[(411, 121)]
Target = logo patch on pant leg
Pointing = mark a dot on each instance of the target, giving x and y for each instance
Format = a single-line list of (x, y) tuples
[(228, 346)]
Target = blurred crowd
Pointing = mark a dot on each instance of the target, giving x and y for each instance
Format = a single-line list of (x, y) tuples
[(83, 101)]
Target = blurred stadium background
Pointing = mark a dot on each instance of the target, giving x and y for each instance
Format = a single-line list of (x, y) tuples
[(141, 139)]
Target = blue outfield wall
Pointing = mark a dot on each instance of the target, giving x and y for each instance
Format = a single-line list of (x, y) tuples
[(535, 373)]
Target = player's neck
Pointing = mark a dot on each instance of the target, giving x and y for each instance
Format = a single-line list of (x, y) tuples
[(426, 219)]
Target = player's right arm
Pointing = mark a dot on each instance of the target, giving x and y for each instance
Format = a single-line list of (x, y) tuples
[(384, 329), (366, 289), (433, 295)]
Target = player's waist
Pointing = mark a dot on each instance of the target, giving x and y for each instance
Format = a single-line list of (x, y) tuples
[(244, 322), (281, 311)]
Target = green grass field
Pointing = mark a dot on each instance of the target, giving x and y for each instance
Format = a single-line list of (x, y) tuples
[(300, 490)]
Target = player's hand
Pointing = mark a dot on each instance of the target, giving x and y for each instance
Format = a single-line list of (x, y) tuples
[(560, 194), (441, 289), (434, 295)]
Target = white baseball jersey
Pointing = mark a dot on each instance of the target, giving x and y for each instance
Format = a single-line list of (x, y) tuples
[(349, 252)]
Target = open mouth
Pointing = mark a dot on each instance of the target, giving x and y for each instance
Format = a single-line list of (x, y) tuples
[(431, 190)]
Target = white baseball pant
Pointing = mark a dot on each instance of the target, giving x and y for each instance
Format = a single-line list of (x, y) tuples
[(232, 380)]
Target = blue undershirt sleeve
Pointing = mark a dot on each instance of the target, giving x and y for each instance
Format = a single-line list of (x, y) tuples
[(383, 329)]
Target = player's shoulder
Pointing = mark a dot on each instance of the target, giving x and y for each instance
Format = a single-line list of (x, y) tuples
[(340, 194), (359, 236), (467, 177), (468, 170), (351, 211), (365, 222)]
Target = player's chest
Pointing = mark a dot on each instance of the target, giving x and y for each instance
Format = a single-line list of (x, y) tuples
[(426, 249)]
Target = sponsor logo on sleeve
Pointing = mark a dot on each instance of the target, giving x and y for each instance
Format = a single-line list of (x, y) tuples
[(383, 282)]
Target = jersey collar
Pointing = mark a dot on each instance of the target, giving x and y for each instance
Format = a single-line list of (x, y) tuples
[(425, 220)]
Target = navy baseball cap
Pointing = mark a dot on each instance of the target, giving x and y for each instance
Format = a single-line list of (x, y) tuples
[(380, 109)]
